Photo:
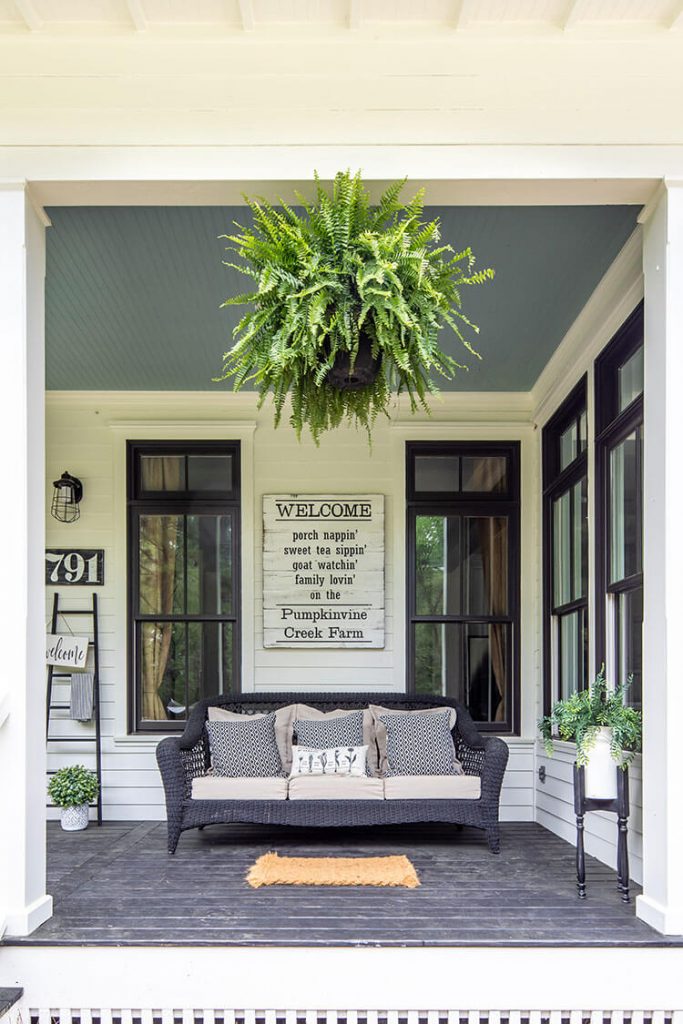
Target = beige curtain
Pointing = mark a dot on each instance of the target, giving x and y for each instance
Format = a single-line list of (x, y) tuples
[(493, 539), (158, 553)]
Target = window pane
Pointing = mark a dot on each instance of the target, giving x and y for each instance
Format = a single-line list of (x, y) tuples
[(209, 473), (162, 472), (561, 550), (163, 671), (209, 565), (583, 431), (461, 565), (630, 643), (467, 661), (437, 565), (580, 514), (485, 473), (434, 473), (572, 652), (625, 508), (630, 379), (161, 565), (485, 582), (569, 445), (206, 661)]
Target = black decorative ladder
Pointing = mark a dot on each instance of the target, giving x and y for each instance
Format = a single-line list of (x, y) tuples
[(93, 643)]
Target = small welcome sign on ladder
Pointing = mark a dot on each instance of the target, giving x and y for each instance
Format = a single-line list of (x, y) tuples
[(66, 651)]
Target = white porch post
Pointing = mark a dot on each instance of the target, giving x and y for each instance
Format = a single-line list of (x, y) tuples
[(23, 901), (661, 904)]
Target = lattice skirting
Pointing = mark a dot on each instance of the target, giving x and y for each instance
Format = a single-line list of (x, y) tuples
[(204, 1016)]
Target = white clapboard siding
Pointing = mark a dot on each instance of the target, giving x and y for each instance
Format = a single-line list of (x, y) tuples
[(555, 810), (84, 434)]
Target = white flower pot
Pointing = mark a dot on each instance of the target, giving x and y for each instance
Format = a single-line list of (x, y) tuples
[(601, 770), (75, 819)]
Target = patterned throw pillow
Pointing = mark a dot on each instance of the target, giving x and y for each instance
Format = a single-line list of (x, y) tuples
[(345, 731), (334, 761), (245, 749), (420, 745)]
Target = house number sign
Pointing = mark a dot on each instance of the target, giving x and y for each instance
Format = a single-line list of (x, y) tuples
[(323, 570), (82, 567)]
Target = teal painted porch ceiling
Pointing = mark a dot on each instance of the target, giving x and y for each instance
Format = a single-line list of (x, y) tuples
[(133, 293)]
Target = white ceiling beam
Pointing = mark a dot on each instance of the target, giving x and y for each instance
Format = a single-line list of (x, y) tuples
[(572, 15), (137, 15), (247, 15), (676, 16), (354, 15), (28, 14)]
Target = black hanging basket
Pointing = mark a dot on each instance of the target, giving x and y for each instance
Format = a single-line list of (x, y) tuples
[(364, 370)]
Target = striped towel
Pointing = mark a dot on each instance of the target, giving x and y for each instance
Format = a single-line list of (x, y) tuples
[(81, 705)]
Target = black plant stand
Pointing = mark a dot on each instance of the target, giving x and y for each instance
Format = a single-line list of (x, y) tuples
[(620, 807)]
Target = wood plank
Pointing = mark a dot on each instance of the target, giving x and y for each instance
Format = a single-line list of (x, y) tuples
[(116, 885)]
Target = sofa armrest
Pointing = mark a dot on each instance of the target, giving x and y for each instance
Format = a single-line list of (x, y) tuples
[(496, 754), (179, 767)]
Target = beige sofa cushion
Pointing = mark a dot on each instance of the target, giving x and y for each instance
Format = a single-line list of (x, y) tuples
[(303, 711), (335, 787), (220, 787), (381, 732), (284, 727), (432, 787)]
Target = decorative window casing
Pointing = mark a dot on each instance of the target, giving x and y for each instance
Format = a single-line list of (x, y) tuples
[(619, 537), (463, 576), (183, 572), (565, 549)]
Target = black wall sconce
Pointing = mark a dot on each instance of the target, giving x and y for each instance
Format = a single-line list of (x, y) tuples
[(66, 498)]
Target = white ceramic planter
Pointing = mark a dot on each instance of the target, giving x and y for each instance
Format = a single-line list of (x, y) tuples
[(75, 819), (601, 770)]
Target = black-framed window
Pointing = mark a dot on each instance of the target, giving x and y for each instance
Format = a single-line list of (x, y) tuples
[(565, 549), (463, 576), (619, 384), (183, 577)]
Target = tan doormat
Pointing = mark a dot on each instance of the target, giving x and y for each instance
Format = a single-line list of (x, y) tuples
[(271, 869)]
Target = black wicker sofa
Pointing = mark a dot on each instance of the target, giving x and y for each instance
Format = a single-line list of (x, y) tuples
[(183, 758)]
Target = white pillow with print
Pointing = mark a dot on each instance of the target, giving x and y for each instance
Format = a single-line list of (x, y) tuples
[(330, 761)]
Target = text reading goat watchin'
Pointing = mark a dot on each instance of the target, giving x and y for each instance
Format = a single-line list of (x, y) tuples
[(323, 570)]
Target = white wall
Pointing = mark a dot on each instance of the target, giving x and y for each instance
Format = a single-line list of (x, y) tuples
[(615, 297), (86, 434)]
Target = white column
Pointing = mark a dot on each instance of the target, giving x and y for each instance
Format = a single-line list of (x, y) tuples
[(23, 902), (661, 904)]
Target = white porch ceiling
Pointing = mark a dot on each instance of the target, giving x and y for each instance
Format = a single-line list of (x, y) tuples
[(46, 16)]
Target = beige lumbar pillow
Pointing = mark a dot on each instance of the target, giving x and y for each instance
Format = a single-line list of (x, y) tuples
[(381, 731), (284, 727), (307, 713)]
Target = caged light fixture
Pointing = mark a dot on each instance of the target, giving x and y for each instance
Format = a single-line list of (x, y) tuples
[(66, 498)]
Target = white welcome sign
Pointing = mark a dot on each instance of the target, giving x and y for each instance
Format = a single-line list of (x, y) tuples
[(323, 570), (67, 651)]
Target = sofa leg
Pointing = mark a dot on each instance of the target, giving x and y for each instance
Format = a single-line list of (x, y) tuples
[(173, 837), (494, 839)]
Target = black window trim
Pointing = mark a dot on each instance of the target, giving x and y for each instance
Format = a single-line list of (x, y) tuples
[(181, 503), (556, 482), (470, 503), (613, 427)]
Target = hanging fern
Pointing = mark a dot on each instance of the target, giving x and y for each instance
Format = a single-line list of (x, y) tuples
[(327, 277)]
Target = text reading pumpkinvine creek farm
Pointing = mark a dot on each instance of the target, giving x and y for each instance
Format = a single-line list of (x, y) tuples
[(323, 570)]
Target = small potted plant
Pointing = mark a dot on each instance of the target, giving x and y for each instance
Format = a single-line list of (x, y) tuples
[(73, 788), (349, 304), (606, 732)]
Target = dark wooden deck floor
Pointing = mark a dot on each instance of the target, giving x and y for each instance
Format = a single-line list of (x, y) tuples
[(116, 885)]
